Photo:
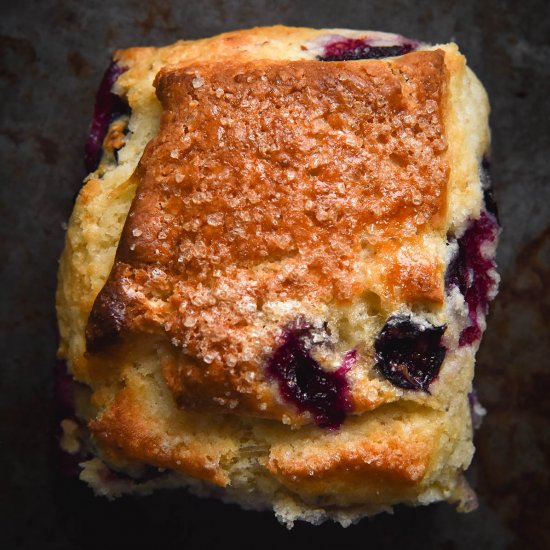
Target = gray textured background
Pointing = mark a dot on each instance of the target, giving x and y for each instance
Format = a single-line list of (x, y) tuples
[(52, 56)]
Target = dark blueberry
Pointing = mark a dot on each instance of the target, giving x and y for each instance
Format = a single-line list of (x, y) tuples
[(487, 185), (452, 274), (471, 271), (409, 355), (348, 49), (108, 106), (303, 382), (457, 273)]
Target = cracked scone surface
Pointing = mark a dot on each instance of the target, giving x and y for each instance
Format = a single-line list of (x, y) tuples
[(226, 276)]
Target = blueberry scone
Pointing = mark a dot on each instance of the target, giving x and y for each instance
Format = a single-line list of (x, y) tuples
[(277, 273)]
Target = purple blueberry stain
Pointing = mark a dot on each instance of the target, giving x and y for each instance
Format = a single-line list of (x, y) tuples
[(303, 382), (353, 49), (349, 360), (409, 354), (108, 106), (472, 272), (472, 269)]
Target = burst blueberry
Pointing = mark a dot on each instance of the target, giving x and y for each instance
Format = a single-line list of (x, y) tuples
[(349, 49), (408, 354), (108, 106), (472, 271), (303, 382)]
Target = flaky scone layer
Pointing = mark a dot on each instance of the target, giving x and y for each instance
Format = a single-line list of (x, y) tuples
[(254, 190)]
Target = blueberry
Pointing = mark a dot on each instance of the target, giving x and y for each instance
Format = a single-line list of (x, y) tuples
[(303, 382), (471, 271), (108, 106), (348, 49), (409, 355), (457, 273)]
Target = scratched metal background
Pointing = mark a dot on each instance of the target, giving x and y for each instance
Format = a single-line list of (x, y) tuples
[(52, 56)]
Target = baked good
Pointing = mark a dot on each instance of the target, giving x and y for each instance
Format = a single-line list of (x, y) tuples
[(275, 281)]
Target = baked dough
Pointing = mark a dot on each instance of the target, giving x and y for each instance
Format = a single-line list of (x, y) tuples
[(275, 281)]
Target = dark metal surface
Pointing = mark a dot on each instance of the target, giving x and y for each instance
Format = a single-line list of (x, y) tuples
[(52, 57)]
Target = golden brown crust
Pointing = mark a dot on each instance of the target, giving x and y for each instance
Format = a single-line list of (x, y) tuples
[(136, 425), (390, 460), (265, 183), (387, 454), (126, 431)]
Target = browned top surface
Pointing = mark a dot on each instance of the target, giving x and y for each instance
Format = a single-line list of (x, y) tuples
[(267, 182)]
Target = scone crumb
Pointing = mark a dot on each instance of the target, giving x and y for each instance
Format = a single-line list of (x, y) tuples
[(70, 440)]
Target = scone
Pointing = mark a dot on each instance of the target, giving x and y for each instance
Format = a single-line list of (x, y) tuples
[(275, 281)]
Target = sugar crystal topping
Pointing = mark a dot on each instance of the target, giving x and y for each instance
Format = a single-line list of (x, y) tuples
[(265, 183)]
